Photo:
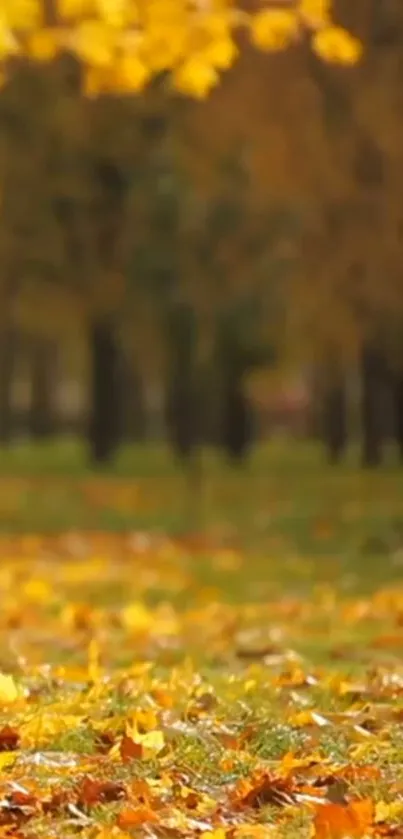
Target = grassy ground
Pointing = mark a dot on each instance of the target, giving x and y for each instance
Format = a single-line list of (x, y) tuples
[(285, 505), (232, 671)]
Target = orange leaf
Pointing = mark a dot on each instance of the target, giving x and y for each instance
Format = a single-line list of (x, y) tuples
[(133, 816), (130, 750), (9, 738), (94, 791), (263, 788), (336, 821)]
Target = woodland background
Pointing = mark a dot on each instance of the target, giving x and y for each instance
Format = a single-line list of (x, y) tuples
[(171, 268)]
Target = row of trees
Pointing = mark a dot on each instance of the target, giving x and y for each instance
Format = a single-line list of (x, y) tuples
[(201, 241), (105, 235)]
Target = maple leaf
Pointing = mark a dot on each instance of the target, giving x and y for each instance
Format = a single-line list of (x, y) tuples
[(336, 45), (263, 788), (93, 791), (130, 749), (19, 806), (134, 816), (8, 689), (274, 29), (9, 738), (338, 821)]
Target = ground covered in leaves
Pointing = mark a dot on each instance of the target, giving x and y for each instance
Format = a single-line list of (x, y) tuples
[(156, 687)]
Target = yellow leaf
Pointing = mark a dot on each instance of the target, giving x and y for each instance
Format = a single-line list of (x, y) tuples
[(221, 53), (146, 720), (388, 811), (335, 44), (43, 44), (7, 759), (273, 29), (8, 689), (8, 42), (22, 14), (130, 74), (315, 13), (115, 12), (38, 591), (137, 617), (195, 77), (161, 48), (76, 9), (94, 43)]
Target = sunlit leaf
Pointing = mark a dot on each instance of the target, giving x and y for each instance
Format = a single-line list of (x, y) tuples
[(336, 45), (134, 816), (336, 821), (273, 29), (8, 689)]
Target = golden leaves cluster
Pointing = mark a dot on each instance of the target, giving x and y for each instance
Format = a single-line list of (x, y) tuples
[(125, 43)]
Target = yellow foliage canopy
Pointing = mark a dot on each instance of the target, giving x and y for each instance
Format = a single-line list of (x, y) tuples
[(124, 43)]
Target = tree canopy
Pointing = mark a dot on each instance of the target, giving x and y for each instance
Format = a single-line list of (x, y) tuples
[(123, 44)]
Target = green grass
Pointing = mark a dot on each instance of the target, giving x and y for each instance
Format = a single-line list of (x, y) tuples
[(286, 504), (276, 571)]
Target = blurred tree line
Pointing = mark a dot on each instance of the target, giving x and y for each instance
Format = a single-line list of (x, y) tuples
[(154, 238)]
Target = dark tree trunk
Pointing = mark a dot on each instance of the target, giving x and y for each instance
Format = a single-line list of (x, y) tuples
[(43, 369), (237, 425), (105, 426), (8, 356), (134, 419), (181, 413), (334, 420), (374, 377), (398, 410), (183, 404)]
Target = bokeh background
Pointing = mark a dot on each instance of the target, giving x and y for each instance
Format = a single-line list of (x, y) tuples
[(203, 290)]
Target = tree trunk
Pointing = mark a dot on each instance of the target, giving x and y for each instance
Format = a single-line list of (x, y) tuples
[(373, 377), (134, 420), (237, 432), (182, 408), (398, 410), (334, 420), (181, 413), (8, 353), (43, 370), (105, 427)]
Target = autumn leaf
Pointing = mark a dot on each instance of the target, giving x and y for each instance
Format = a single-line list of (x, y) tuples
[(336, 821), (93, 791), (8, 690), (195, 77), (9, 738), (334, 44), (261, 789), (130, 749), (273, 29), (134, 816)]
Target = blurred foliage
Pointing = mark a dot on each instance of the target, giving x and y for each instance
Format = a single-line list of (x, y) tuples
[(125, 43)]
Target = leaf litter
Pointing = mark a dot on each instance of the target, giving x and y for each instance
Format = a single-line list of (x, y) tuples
[(137, 716)]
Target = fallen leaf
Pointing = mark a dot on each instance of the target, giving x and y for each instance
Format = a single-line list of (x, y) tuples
[(93, 791), (9, 738), (133, 816), (8, 689), (336, 821)]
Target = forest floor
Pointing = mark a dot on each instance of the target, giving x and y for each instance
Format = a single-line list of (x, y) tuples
[(224, 670)]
